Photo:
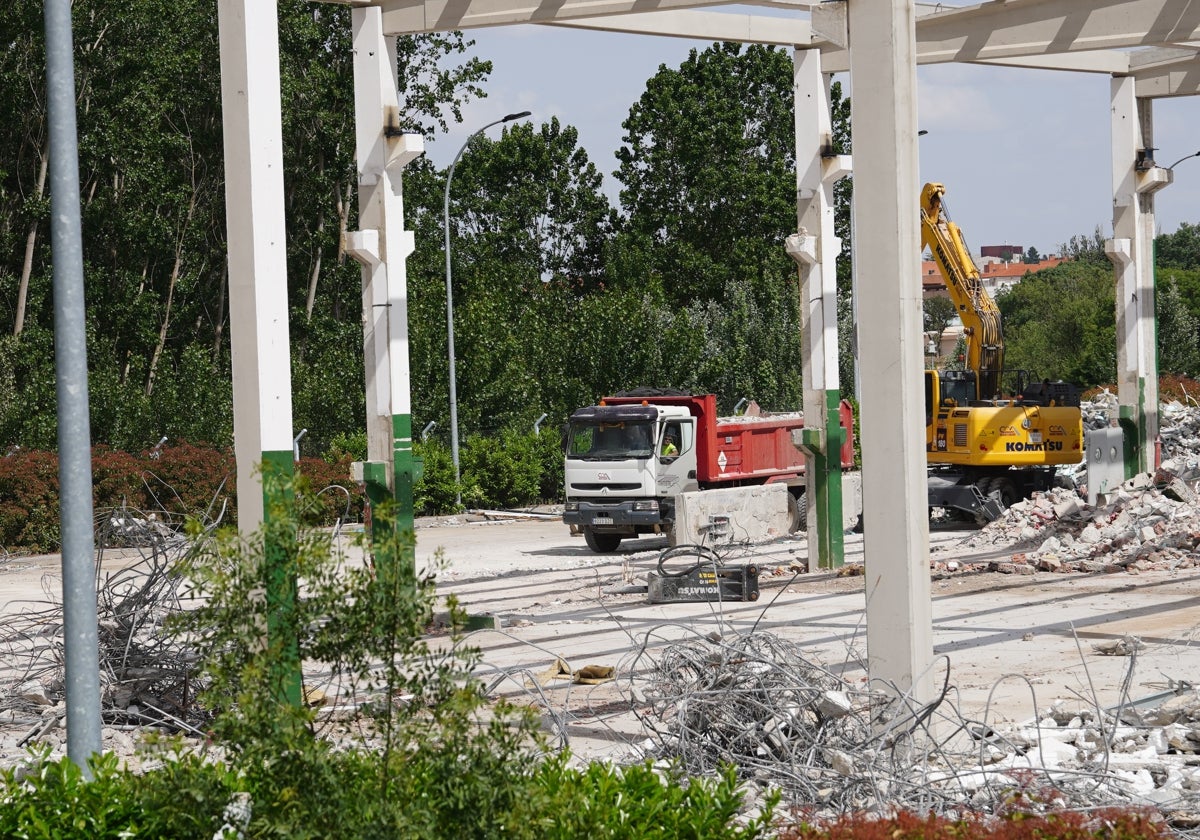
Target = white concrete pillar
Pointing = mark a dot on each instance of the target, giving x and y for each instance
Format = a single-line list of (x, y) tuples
[(382, 246), (887, 265), (1132, 251), (815, 248), (258, 311)]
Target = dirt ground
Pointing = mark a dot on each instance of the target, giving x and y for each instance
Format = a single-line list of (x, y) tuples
[(1011, 644)]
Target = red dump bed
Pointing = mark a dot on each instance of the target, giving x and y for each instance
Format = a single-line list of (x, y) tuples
[(745, 450)]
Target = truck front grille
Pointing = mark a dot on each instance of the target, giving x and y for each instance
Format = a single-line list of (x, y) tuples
[(596, 488)]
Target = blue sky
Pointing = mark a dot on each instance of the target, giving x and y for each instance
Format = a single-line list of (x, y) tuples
[(1024, 154)]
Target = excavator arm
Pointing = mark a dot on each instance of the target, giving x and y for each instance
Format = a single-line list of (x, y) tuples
[(979, 314)]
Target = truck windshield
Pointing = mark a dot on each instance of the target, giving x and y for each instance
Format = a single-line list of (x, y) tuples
[(610, 441)]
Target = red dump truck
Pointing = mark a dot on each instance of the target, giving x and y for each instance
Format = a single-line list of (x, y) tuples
[(631, 455)]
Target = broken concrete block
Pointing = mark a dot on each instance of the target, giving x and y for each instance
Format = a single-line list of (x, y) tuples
[(1067, 508), (1049, 563), (34, 693)]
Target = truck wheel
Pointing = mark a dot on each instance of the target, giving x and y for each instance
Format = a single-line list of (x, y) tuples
[(797, 513), (601, 543)]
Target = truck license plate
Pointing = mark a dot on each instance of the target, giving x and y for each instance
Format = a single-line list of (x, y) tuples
[(602, 520)]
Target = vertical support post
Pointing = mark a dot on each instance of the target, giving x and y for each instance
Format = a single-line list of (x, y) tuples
[(80, 635), (382, 247), (815, 249), (1132, 252), (258, 315), (896, 539)]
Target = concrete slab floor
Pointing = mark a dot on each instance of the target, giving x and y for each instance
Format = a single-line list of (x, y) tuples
[(1013, 643)]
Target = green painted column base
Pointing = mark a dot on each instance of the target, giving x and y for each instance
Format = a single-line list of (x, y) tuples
[(279, 502), (825, 462)]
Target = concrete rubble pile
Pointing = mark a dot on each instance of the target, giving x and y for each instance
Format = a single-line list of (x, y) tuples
[(828, 745), (1152, 521)]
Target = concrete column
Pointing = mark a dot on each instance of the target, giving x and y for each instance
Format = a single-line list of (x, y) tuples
[(1132, 251), (887, 264), (382, 247), (815, 249), (258, 312)]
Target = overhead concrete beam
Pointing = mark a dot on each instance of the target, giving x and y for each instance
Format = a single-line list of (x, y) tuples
[(1029, 27), (1025, 29), (704, 26), (401, 17), (1166, 72)]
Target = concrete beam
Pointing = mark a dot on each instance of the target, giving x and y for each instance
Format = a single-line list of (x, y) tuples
[(1028, 32), (888, 290), (258, 313), (405, 16), (815, 248), (1132, 252), (703, 26)]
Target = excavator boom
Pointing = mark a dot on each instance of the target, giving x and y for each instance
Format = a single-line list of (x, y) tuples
[(980, 317)]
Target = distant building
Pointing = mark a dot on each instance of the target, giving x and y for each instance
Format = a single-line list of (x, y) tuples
[(1003, 252), (996, 275)]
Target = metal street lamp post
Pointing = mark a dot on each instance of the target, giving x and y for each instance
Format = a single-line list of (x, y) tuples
[(450, 301)]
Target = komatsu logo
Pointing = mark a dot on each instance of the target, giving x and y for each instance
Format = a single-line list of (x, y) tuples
[(1048, 446)]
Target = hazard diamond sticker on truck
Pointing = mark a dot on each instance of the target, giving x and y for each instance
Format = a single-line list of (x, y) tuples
[(722, 460)]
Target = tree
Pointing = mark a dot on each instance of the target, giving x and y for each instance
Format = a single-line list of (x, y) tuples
[(1060, 323), (1178, 331), (1180, 249), (529, 226), (939, 312), (708, 169), (1032, 256), (152, 183)]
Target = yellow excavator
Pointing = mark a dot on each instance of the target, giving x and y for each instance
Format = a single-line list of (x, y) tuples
[(987, 448)]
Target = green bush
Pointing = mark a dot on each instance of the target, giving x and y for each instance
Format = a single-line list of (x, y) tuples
[(435, 491), (501, 472), (549, 448)]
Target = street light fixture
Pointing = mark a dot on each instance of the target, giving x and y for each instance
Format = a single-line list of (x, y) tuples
[(1182, 159), (450, 301)]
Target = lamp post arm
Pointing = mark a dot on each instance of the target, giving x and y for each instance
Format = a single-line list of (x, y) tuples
[(450, 296), (1182, 159)]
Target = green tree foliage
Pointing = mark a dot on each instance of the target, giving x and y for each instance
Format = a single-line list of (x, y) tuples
[(708, 174), (152, 181), (939, 312), (708, 169), (1180, 249), (1032, 255), (1178, 335), (1061, 323)]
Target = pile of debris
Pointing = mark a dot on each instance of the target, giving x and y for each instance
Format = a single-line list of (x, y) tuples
[(147, 676), (1148, 523), (1152, 521), (830, 746)]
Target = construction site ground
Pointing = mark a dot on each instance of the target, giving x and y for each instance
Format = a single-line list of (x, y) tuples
[(1096, 611), (1013, 642)]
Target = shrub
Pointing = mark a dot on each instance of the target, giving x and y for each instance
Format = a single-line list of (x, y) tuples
[(435, 491), (501, 472), (29, 516), (1104, 824)]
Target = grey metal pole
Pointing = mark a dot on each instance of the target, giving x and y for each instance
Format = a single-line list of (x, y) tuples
[(70, 358), (450, 303)]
